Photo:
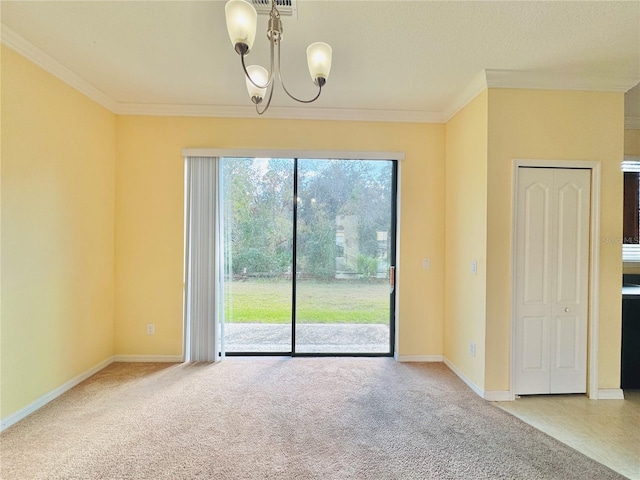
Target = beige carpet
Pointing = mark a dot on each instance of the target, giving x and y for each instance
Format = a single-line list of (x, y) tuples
[(282, 418)]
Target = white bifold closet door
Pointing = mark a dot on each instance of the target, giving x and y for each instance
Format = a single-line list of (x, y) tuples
[(552, 265)]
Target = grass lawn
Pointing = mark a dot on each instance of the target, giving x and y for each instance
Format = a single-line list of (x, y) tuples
[(260, 301)]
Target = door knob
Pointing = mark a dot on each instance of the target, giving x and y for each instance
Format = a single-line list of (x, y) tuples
[(567, 310)]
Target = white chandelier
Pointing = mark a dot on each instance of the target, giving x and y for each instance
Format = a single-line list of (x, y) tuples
[(241, 24)]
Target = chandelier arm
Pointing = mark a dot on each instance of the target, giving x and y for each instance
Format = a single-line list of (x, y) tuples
[(268, 102), (244, 67), (287, 91)]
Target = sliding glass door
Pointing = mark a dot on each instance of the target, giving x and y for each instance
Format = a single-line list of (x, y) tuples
[(258, 253), (335, 221), (344, 233)]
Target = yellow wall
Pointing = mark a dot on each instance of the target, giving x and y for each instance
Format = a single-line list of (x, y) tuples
[(632, 142), (533, 124), (92, 222), (149, 216), (57, 258), (466, 238)]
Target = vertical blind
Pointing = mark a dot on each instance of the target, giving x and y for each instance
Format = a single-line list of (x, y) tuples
[(202, 282)]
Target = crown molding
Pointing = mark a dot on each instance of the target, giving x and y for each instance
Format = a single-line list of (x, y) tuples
[(558, 81), (291, 113), (471, 91), (17, 42), (541, 81), (485, 79), (632, 123)]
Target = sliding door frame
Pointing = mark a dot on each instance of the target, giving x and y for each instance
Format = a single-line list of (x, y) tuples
[(392, 264), (294, 258), (394, 157)]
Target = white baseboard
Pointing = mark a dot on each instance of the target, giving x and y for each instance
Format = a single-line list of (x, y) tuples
[(479, 391), (52, 395), (610, 394), (419, 358), (498, 396), (148, 358), (489, 395)]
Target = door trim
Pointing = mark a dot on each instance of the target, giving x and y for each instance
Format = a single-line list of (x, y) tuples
[(284, 153), (396, 309), (594, 264)]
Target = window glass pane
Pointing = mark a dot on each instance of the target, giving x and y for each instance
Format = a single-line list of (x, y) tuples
[(258, 245), (344, 230), (631, 212)]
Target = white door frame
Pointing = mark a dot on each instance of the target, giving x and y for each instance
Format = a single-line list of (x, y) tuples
[(594, 265)]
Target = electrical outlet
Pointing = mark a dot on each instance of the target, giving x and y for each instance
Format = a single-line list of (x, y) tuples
[(472, 349), (426, 263), (474, 267), (151, 329)]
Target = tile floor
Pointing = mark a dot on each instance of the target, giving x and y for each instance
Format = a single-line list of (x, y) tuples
[(605, 430)]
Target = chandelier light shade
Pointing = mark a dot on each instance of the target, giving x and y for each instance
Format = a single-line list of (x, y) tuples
[(259, 76), (241, 19), (319, 60)]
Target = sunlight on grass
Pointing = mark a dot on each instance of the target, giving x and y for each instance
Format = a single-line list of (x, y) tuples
[(332, 302)]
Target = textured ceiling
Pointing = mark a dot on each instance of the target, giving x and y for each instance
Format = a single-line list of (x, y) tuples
[(387, 55)]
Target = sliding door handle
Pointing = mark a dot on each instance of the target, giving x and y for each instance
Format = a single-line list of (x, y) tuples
[(392, 278)]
